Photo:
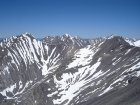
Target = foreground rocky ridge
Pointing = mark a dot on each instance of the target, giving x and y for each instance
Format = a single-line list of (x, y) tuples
[(65, 70)]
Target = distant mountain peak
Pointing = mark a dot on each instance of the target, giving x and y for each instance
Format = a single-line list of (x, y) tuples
[(25, 34), (77, 37), (111, 36), (67, 35)]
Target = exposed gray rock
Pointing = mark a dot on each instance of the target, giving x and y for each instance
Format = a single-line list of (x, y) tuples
[(65, 70)]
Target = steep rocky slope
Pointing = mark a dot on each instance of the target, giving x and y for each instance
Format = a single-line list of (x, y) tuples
[(65, 70)]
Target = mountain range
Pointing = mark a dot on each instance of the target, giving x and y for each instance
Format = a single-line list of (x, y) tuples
[(66, 70)]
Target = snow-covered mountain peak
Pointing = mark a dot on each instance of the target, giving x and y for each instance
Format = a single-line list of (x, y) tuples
[(132, 41), (27, 34), (111, 36), (77, 37), (67, 36)]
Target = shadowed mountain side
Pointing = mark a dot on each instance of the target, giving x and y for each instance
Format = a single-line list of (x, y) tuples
[(130, 95)]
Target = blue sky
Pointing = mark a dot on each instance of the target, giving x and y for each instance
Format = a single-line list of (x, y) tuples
[(84, 18)]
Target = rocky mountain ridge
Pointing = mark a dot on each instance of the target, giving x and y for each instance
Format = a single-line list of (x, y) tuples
[(65, 70)]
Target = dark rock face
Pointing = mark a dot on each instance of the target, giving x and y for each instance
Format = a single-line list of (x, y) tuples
[(65, 70)]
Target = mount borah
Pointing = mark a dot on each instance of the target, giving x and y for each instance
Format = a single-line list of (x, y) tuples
[(65, 70)]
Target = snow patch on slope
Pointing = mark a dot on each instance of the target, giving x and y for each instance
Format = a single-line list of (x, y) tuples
[(82, 57), (133, 43)]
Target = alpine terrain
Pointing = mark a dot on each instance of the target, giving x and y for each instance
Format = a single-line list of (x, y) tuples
[(65, 70)]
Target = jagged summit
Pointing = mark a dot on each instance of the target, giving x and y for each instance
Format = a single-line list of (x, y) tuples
[(77, 37), (133, 41), (111, 36), (67, 35), (27, 34), (76, 40)]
